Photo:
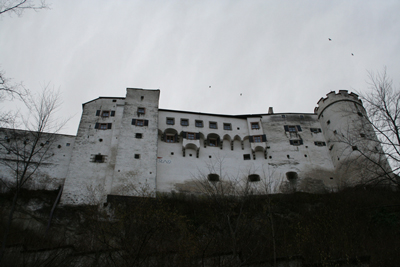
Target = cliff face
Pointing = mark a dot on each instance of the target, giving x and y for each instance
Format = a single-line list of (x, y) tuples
[(355, 227)]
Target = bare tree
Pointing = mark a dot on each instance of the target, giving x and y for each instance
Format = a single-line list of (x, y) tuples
[(24, 151), (17, 7), (374, 136)]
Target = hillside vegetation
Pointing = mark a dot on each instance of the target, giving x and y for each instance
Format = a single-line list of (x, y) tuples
[(355, 227)]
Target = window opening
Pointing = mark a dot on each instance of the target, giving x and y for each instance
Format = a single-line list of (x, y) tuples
[(137, 156), (212, 142), (105, 114), (213, 125), (315, 130), (257, 139), (191, 136), (199, 124), (141, 111), (114, 100), (255, 126), (99, 158), (291, 176), (362, 135), (254, 178), (172, 153), (184, 122), (213, 177), (246, 157), (138, 135), (139, 122), (170, 138), (296, 142), (227, 126), (103, 126), (170, 121), (319, 143), (68, 144)]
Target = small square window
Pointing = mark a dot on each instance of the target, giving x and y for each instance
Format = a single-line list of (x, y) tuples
[(292, 129), (68, 144), (138, 135), (170, 138), (257, 139), (105, 114), (184, 122), (227, 126), (170, 121), (213, 125), (98, 158), (114, 100), (246, 157), (199, 124), (103, 126), (141, 111), (255, 126), (191, 136), (137, 156), (139, 122)]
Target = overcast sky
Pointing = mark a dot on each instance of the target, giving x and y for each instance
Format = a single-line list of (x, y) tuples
[(274, 53)]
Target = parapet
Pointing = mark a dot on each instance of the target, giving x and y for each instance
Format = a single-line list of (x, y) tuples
[(333, 97)]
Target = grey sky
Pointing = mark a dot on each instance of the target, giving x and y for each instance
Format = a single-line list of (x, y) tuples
[(276, 53)]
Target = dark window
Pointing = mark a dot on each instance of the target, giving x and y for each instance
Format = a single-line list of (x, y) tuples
[(141, 111), (301, 116), (170, 121), (191, 136), (68, 144), (315, 130), (283, 116), (246, 157), (296, 142), (112, 113), (318, 143), (213, 177), (138, 135), (212, 142), (199, 124), (227, 126), (255, 126), (140, 122), (137, 156), (292, 129), (99, 158), (98, 112), (114, 100), (362, 135), (184, 122), (105, 114), (103, 126), (213, 125), (254, 178), (257, 139), (170, 138)]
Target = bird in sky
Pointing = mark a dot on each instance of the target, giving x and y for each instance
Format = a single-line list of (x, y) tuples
[(329, 39), (209, 86), (240, 94), (352, 54)]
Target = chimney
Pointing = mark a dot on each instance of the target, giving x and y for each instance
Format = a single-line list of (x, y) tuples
[(270, 110)]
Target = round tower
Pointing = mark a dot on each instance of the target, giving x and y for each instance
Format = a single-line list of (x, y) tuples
[(345, 127)]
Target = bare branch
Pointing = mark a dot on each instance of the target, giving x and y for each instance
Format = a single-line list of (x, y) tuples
[(17, 7)]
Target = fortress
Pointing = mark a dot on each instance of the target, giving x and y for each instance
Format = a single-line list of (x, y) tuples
[(127, 146)]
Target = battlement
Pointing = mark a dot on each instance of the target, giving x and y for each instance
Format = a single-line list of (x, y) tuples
[(333, 97)]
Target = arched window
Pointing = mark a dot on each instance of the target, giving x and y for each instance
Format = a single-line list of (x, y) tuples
[(291, 176), (254, 178), (213, 177)]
